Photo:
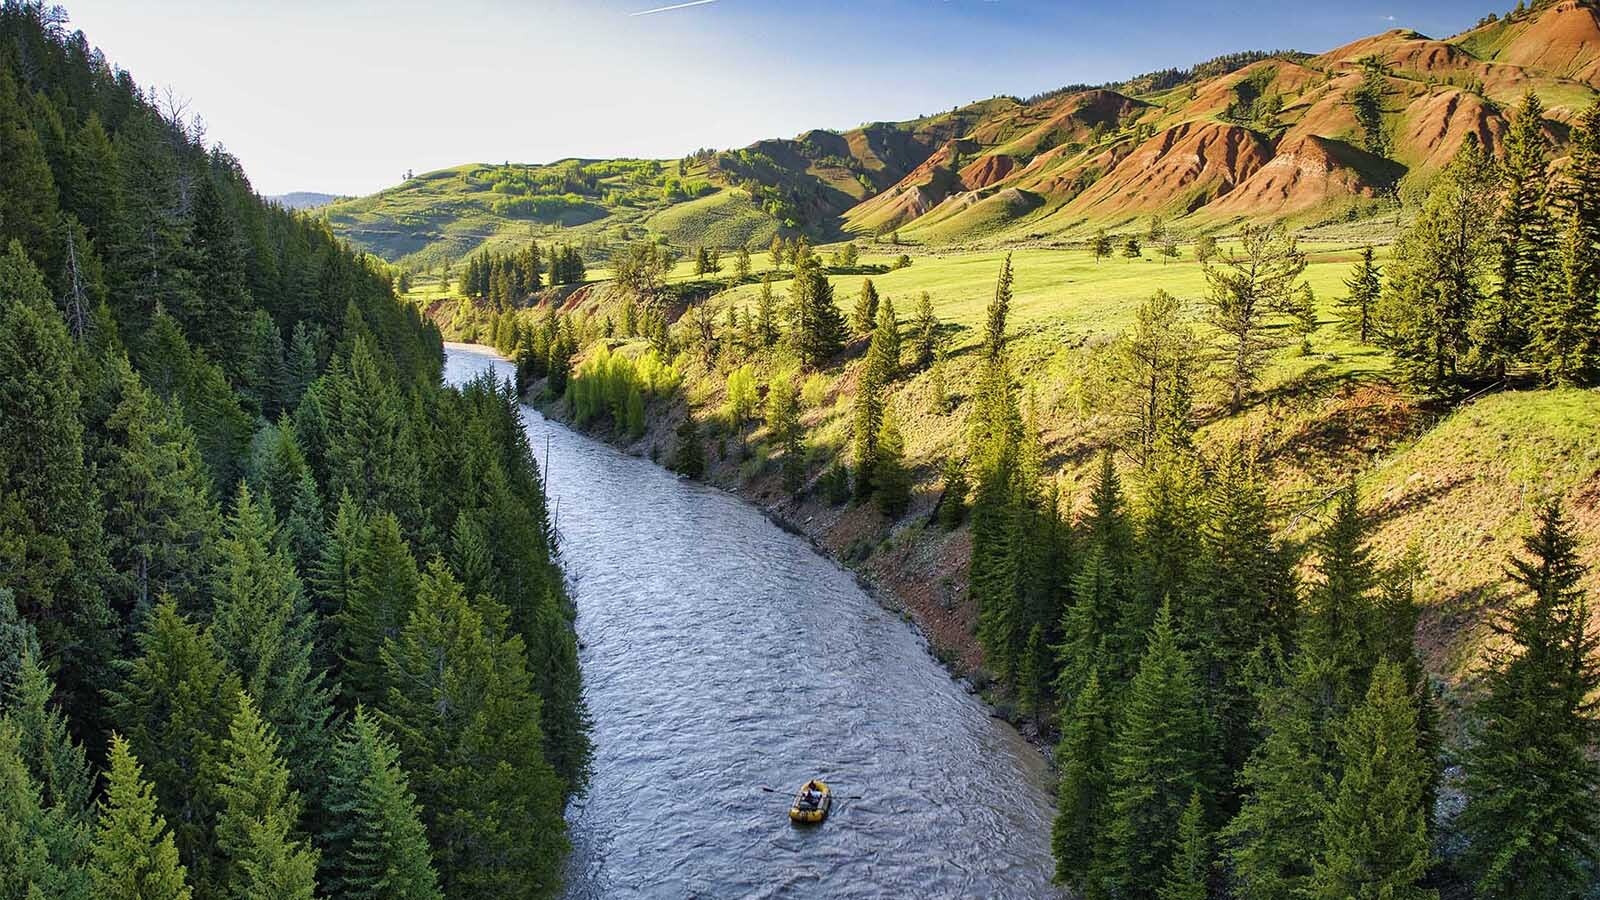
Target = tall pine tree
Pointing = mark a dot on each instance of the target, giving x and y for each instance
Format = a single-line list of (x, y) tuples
[(1532, 816)]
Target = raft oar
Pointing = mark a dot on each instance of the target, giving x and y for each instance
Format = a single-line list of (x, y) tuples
[(835, 796)]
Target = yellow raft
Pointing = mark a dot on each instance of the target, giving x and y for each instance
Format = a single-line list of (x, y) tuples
[(812, 803)]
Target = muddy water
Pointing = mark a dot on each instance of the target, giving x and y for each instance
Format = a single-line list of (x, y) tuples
[(721, 655)]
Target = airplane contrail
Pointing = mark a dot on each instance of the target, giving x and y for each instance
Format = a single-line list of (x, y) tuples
[(662, 9)]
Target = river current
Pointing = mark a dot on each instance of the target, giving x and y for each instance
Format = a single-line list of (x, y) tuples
[(722, 655)]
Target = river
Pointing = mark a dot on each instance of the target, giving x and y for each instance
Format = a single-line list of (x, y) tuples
[(722, 655)]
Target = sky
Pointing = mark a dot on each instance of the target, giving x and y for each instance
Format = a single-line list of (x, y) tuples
[(345, 96)]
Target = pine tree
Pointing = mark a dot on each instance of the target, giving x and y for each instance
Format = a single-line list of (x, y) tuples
[(133, 856), (1375, 835), (1100, 245), (688, 454), (1357, 308), (337, 569), (1523, 241), (27, 188), (782, 415), (55, 761), (1246, 599), (1189, 872), (891, 480), (1155, 361), (1092, 639), (51, 545), (1250, 286), (925, 331), (213, 316), (461, 706), (44, 848), (18, 641), (1081, 790), (266, 631), (1564, 339), (1436, 274), (865, 314), (1156, 765), (175, 705), (1276, 835), (816, 329), (1532, 818), (867, 418), (376, 609), (376, 849), (766, 314), (161, 525), (1340, 626), (371, 444), (256, 829), (995, 436)]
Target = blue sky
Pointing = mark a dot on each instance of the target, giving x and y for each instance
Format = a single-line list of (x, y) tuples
[(345, 95)]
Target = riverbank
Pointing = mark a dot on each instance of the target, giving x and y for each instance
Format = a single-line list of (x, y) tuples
[(912, 566)]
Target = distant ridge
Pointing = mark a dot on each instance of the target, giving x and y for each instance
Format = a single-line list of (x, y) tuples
[(304, 199)]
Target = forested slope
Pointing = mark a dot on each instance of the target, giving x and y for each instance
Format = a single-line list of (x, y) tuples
[(279, 613)]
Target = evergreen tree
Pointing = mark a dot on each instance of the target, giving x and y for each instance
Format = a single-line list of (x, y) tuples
[(1523, 242), (1156, 765), (1375, 835), (1436, 276), (1532, 818), (133, 856), (160, 523), (175, 705), (51, 545), (42, 851), (766, 314), (260, 812), (376, 849), (1100, 245), (865, 314), (868, 413), (376, 608), (816, 329), (688, 454), (1189, 872), (782, 414), (891, 481), (1340, 627), (18, 641), (1356, 309), (267, 633), (56, 763), (27, 188), (1082, 789), (1092, 640), (1251, 285), (1276, 835), (1564, 339), (461, 706), (1156, 360), (1246, 601), (925, 331), (335, 574), (213, 314)]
